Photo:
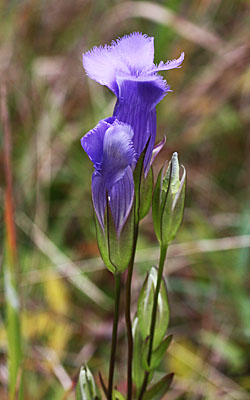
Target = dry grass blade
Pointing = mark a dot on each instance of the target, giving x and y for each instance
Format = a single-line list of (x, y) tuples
[(63, 264), (56, 366), (13, 326)]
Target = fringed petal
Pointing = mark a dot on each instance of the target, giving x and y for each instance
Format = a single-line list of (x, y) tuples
[(168, 65), (121, 198), (136, 50), (101, 64), (128, 55)]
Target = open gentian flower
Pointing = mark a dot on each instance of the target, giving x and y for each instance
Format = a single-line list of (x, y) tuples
[(109, 146), (127, 68)]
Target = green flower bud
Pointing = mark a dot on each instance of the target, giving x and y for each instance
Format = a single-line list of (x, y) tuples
[(145, 308), (86, 388), (168, 202)]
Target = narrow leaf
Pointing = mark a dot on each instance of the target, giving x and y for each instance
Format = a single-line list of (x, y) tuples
[(138, 371), (157, 354), (117, 395), (157, 391)]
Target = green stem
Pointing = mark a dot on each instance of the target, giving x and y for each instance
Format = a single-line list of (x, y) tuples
[(154, 315), (128, 318), (114, 334)]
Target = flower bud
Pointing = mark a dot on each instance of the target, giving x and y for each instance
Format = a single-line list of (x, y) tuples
[(86, 388), (168, 202), (145, 308)]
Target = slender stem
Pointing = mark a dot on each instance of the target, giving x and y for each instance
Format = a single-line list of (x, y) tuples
[(128, 317), (114, 333), (154, 315)]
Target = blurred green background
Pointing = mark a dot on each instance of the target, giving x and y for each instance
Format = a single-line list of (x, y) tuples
[(66, 293)]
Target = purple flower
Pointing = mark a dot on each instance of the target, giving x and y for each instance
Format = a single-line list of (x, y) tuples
[(110, 147), (127, 68)]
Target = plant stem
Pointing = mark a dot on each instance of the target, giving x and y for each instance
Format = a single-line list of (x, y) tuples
[(114, 334), (128, 317), (154, 315)]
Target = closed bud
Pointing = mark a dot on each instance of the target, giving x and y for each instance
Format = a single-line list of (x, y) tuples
[(168, 202), (145, 308), (86, 388)]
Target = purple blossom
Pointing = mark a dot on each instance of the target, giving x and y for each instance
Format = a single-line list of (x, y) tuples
[(109, 146), (127, 68)]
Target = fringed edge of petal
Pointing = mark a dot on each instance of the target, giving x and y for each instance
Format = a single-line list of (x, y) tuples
[(176, 63)]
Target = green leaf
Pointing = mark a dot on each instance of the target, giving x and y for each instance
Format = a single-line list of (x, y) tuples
[(157, 354), (157, 391), (117, 395), (138, 371), (145, 307), (146, 191), (86, 388)]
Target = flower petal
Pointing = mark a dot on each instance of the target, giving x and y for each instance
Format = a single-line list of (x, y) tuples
[(168, 65), (101, 64), (121, 199), (128, 55), (137, 97), (137, 51), (118, 152), (99, 197), (92, 142)]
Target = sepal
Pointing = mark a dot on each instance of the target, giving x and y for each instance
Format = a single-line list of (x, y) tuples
[(143, 187), (86, 388), (146, 191), (115, 249), (168, 202)]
